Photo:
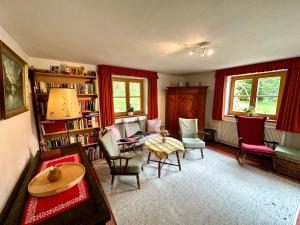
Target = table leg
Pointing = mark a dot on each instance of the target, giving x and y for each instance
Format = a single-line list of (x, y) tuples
[(177, 154), (149, 158), (159, 168)]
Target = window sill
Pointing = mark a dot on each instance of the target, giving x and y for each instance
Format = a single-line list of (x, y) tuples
[(268, 120), (136, 115)]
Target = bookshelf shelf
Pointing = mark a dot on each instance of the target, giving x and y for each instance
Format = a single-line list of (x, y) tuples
[(89, 145), (71, 131), (43, 74)]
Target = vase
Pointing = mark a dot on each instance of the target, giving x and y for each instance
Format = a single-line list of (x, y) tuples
[(130, 113), (163, 139)]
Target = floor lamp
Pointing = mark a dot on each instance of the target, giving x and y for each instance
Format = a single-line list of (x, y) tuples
[(63, 105)]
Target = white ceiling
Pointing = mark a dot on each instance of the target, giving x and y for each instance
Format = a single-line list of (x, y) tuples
[(150, 34)]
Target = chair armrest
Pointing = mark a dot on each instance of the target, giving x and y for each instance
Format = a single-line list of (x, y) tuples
[(273, 143)]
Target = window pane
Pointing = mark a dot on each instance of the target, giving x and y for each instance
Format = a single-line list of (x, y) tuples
[(269, 86), (136, 103), (243, 87), (119, 89), (134, 89), (240, 103), (120, 104), (266, 105)]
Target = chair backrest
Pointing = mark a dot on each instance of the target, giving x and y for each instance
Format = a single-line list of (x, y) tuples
[(188, 127), (251, 129)]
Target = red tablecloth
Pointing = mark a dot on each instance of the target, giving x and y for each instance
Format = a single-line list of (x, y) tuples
[(39, 209)]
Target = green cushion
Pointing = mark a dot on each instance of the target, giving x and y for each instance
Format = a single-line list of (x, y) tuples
[(134, 164), (193, 143), (109, 143), (121, 128), (143, 124), (188, 127), (287, 152)]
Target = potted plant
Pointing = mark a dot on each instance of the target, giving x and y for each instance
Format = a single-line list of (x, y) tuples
[(250, 111), (130, 110)]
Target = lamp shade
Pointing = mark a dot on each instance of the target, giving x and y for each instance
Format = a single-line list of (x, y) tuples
[(62, 104)]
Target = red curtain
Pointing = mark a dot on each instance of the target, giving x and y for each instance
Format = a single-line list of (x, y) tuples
[(105, 86), (289, 115), (291, 65)]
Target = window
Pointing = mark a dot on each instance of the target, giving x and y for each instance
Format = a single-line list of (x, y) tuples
[(262, 91), (128, 92)]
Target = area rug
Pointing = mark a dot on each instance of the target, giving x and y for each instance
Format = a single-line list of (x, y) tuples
[(215, 190)]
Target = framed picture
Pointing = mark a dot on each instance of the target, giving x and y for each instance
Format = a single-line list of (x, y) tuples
[(12, 83)]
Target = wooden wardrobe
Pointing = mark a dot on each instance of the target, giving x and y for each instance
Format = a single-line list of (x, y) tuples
[(185, 102)]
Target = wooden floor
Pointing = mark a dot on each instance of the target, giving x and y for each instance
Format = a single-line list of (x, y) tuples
[(229, 151)]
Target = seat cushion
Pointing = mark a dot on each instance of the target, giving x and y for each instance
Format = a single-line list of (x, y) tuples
[(193, 143), (287, 152), (153, 126), (257, 148), (134, 164), (131, 128)]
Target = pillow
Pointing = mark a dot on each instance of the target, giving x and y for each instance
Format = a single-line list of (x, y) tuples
[(115, 131), (153, 126), (143, 124), (131, 128)]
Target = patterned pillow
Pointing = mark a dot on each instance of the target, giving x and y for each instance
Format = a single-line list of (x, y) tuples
[(115, 131), (153, 126)]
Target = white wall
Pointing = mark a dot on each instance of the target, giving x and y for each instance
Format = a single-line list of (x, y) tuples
[(164, 81), (226, 130), (17, 135)]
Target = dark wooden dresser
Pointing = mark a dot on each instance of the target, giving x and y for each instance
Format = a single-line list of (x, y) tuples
[(185, 102), (94, 210)]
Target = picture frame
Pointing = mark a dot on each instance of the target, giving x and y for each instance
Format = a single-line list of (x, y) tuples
[(12, 83)]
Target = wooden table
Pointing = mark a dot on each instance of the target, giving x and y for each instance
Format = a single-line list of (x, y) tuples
[(92, 211), (161, 150)]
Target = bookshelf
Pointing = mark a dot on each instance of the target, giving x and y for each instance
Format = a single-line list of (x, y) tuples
[(85, 129)]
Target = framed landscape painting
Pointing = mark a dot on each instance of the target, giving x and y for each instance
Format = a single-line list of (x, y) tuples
[(12, 83)]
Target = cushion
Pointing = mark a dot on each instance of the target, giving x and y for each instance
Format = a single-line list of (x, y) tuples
[(115, 131), (131, 128), (287, 152), (251, 129), (143, 125), (109, 143), (134, 164), (121, 128), (193, 143), (188, 128), (257, 148), (153, 126)]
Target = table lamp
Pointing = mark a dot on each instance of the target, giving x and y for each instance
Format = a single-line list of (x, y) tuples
[(63, 105)]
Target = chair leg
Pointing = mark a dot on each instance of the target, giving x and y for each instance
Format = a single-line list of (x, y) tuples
[(149, 158), (238, 156), (274, 164), (201, 149), (184, 153), (112, 179), (138, 181), (244, 157)]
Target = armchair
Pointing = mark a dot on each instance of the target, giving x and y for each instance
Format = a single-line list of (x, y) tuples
[(251, 138), (189, 135), (129, 163)]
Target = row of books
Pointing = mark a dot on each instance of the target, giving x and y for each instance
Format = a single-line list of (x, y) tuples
[(84, 105), (84, 139), (93, 153), (89, 121), (87, 88), (88, 104)]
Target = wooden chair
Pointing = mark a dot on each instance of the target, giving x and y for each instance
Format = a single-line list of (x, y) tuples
[(190, 135), (128, 163), (251, 138)]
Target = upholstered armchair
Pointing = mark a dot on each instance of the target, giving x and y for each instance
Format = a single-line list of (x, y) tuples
[(128, 163), (190, 135), (251, 138)]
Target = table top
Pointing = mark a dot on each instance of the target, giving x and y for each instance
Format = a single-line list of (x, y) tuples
[(163, 149)]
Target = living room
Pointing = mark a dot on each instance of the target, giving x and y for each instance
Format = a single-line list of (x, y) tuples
[(148, 74)]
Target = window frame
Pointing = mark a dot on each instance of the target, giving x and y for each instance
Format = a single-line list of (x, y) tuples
[(253, 96), (127, 82)]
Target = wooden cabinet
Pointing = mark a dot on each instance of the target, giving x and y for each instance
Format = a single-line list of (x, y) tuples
[(185, 102)]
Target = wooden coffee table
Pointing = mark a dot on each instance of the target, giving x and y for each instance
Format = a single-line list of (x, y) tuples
[(161, 150)]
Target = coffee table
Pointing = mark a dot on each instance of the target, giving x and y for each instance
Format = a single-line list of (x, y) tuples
[(161, 150)]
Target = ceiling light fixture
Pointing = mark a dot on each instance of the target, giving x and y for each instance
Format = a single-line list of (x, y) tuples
[(203, 48)]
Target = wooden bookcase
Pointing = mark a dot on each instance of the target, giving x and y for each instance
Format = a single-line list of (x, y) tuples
[(86, 129)]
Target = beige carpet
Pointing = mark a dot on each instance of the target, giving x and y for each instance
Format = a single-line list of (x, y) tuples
[(213, 191)]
